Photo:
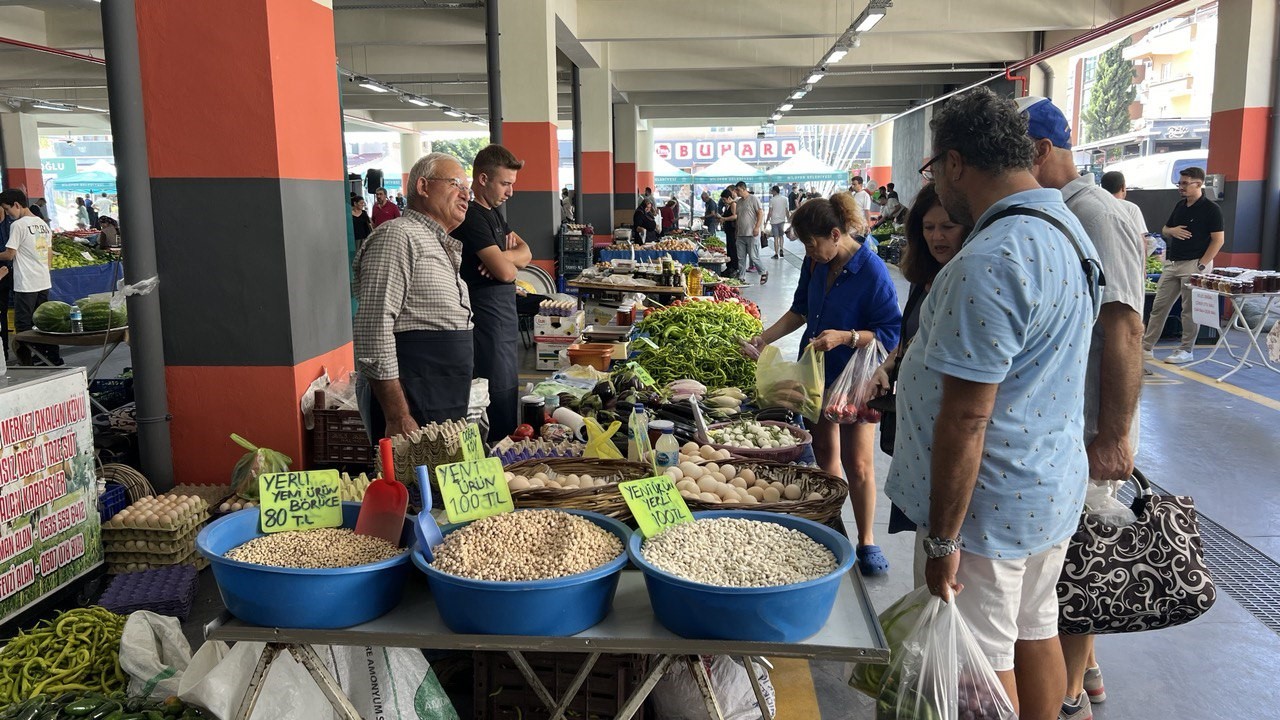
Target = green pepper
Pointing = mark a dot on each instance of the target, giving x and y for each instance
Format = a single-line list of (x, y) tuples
[(102, 712), (84, 706)]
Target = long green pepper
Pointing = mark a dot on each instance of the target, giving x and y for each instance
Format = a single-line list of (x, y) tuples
[(699, 341)]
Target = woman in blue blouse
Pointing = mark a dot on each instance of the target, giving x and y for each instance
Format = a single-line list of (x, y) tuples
[(845, 300)]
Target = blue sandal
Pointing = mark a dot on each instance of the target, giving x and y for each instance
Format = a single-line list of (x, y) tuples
[(871, 561)]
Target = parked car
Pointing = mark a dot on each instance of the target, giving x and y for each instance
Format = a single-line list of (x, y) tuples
[(1158, 172)]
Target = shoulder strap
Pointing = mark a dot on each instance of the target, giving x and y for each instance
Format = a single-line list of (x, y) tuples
[(1091, 266)]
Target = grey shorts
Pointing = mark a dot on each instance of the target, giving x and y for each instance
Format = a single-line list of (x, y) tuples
[(776, 231)]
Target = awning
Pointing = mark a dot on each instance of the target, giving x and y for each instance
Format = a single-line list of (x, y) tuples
[(729, 169), (805, 167), (664, 173)]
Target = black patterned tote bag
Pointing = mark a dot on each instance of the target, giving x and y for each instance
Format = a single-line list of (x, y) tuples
[(1144, 576)]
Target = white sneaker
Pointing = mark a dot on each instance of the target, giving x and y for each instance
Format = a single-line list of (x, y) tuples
[(1180, 357), (1148, 355)]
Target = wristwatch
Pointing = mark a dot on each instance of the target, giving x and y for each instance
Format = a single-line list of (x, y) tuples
[(936, 547), (1201, 266)]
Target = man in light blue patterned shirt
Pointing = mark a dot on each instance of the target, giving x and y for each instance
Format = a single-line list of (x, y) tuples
[(989, 459)]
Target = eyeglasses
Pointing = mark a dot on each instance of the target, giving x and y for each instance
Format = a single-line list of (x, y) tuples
[(463, 186), (1188, 183), (926, 170)]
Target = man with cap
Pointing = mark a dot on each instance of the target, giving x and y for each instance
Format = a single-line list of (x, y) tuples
[(1113, 379)]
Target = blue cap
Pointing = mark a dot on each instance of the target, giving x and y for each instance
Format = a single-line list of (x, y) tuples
[(1045, 121)]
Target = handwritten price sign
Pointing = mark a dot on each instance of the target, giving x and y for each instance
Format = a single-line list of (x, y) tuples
[(655, 503), (300, 500), (474, 489), (472, 445)]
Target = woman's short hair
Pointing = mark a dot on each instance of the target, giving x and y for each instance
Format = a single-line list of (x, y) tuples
[(817, 218), (918, 264)]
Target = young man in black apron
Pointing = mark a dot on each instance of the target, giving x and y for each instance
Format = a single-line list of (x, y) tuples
[(491, 256)]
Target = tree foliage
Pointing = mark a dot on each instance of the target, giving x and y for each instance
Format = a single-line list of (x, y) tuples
[(1113, 91), (464, 149)]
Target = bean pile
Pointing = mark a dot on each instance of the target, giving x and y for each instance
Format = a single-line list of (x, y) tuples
[(314, 549), (526, 545), (736, 552)]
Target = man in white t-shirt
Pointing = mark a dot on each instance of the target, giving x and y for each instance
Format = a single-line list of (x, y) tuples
[(1113, 182), (778, 216), (30, 248), (861, 196)]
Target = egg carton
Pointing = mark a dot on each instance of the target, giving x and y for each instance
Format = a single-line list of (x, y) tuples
[(431, 445), (194, 559), (168, 590), (119, 529), (149, 557), (208, 493), (165, 546)]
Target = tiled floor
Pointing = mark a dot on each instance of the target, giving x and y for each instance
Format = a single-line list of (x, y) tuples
[(1197, 439)]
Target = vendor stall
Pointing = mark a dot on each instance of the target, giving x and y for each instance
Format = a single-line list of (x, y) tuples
[(1238, 286)]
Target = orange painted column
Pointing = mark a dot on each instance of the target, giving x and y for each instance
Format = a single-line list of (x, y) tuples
[(597, 149), (1238, 126), (625, 188), (254, 302)]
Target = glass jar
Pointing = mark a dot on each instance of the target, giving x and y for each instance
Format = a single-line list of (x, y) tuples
[(1247, 286)]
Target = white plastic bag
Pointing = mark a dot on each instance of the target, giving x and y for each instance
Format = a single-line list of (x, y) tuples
[(388, 683), (677, 697), (940, 673), (1100, 502), (847, 397), (154, 653), (339, 394)]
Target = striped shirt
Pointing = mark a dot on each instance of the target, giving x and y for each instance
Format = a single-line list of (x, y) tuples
[(406, 276)]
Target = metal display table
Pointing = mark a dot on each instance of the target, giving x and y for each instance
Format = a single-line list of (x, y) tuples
[(646, 289), (1237, 322), (852, 634), (684, 257)]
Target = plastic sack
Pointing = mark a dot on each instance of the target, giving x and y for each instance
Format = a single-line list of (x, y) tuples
[(796, 386), (1100, 502), (600, 441), (897, 621), (677, 697), (848, 396), (1273, 343), (244, 477), (940, 673), (387, 683)]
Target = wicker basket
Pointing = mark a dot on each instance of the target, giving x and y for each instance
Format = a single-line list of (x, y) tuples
[(810, 479), (603, 499), (781, 455)]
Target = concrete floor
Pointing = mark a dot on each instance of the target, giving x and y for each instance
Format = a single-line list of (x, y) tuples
[(1217, 442)]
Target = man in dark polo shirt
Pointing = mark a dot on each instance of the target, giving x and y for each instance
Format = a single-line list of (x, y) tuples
[(491, 256), (1193, 236)]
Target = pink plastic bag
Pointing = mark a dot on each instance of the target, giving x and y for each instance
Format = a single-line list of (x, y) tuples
[(847, 397)]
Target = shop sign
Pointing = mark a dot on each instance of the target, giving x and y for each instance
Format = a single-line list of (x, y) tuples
[(474, 489), (1204, 308), (472, 445), (53, 167), (1175, 132), (705, 150), (655, 503), (49, 530), (300, 500), (686, 152)]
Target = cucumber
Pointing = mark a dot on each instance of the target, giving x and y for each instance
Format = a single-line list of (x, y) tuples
[(84, 707)]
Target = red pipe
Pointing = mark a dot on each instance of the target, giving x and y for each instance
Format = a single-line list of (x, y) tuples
[(1117, 24), (1022, 79), (52, 51)]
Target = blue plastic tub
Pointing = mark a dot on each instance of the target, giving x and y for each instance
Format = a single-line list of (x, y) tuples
[(559, 606), (295, 598), (785, 613)]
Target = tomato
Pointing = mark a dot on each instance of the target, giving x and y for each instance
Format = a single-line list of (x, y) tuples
[(523, 432)]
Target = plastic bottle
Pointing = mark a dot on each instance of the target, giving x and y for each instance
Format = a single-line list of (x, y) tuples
[(667, 451), (638, 434), (77, 322)]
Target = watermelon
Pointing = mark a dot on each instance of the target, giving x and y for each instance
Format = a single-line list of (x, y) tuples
[(102, 320), (53, 316)]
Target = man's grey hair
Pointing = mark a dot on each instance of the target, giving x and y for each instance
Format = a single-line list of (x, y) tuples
[(986, 130), (426, 168)]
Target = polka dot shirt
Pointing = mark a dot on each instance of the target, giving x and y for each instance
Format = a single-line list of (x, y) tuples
[(1012, 308)]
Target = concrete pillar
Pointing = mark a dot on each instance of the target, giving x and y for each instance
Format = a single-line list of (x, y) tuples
[(21, 154), (597, 148), (644, 159), (882, 154), (411, 150), (912, 146), (255, 302), (530, 113), (625, 119), (1242, 83)]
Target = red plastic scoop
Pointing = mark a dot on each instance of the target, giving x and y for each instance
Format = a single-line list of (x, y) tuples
[(385, 502)]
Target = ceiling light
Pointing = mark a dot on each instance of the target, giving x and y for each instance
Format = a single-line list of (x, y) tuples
[(869, 18), (452, 113), (51, 106), (776, 117), (835, 56), (371, 85), (785, 107), (814, 78), (413, 100), (798, 94)]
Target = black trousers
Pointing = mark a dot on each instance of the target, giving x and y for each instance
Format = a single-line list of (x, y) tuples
[(24, 306), (6, 289)]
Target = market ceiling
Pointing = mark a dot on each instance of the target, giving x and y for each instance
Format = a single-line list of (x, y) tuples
[(682, 63)]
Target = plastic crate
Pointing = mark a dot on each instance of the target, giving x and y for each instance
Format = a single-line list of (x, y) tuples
[(112, 501), (339, 436), (571, 265), (501, 692), (575, 243), (112, 392)]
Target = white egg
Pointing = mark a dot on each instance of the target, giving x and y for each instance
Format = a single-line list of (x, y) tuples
[(693, 472), (729, 471), (755, 492), (708, 453), (711, 467), (709, 497), (771, 494), (814, 496), (554, 484), (738, 483), (723, 454), (751, 500), (537, 482), (675, 473), (690, 448), (689, 486), (747, 474), (791, 492), (707, 484), (586, 480), (518, 483), (688, 495), (778, 486)]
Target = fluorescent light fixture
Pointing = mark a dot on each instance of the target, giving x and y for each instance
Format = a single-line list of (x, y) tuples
[(412, 100), (371, 85), (798, 94), (481, 121), (813, 78), (770, 121), (52, 106), (835, 56), (776, 116), (869, 18), (785, 107), (452, 113)]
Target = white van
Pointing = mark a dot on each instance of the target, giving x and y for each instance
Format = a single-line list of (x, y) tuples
[(1158, 172)]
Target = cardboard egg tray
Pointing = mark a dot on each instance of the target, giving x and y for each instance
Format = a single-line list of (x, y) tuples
[(194, 559), (167, 590), (115, 529), (163, 545), (130, 518)]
